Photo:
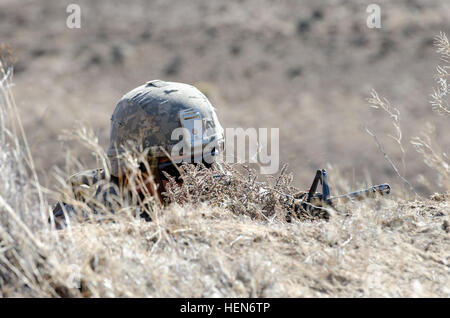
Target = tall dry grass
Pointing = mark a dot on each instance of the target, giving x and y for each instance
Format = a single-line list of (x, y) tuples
[(435, 156), (227, 237)]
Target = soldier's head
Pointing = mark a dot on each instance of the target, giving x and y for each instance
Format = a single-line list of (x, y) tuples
[(160, 125)]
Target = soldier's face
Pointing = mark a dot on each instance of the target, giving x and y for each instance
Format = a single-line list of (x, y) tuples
[(143, 183), (146, 184)]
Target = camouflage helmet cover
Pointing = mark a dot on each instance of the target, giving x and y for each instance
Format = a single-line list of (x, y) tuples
[(146, 117)]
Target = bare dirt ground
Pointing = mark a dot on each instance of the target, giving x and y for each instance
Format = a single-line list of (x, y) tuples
[(305, 67)]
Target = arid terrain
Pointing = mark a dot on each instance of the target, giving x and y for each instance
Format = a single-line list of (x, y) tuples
[(305, 67)]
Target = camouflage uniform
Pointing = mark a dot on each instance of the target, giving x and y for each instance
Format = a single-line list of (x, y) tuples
[(143, 123)]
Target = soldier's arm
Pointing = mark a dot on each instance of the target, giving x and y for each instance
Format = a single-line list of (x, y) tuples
[(81, 185), (61, 213)]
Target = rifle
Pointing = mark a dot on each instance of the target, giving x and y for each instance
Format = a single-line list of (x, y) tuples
[(316, 200)]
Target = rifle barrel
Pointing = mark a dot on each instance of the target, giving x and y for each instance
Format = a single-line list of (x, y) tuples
[(371, 192)]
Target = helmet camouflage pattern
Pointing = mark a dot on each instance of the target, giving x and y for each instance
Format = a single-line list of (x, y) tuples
[(146, 117)]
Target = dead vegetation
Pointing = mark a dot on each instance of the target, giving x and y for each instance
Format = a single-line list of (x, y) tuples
[(225, 237), (304, 66)]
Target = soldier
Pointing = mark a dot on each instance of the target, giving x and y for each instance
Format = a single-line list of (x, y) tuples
[(154, 127)]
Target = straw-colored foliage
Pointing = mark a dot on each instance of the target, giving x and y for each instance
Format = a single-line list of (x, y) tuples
[(232, 236)]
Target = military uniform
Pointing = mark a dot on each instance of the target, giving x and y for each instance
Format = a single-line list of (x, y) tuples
[(143, 124), (99, 192)]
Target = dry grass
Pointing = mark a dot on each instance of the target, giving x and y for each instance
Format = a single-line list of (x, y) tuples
[(226, 238), (209, 252), (303, 66), (434, 155), (439, 98)]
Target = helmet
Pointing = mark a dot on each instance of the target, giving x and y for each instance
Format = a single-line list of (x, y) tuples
[(152, 119)]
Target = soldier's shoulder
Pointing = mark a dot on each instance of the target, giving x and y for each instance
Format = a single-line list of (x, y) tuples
[(88, 177), (87, 183)]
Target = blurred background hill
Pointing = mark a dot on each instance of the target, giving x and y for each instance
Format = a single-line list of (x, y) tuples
[(303, 66)]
